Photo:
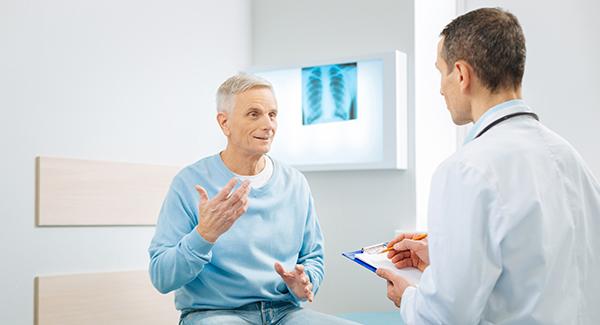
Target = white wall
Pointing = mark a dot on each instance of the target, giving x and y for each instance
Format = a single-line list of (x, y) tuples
[(563, 64), (435, 133), (355, 208), (126, 80)]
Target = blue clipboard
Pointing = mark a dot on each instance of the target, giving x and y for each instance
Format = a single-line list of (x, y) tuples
[(350, 256)]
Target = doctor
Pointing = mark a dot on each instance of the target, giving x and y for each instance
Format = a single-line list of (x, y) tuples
[(514, 215)]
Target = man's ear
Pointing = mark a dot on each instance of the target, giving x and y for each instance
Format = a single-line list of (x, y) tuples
[(223, 120), (464, 75)]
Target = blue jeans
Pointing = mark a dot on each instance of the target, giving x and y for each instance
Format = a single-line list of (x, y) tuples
[(262, 313)]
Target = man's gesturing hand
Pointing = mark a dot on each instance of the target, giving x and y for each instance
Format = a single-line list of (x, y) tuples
[(218, 214), (297, 281)]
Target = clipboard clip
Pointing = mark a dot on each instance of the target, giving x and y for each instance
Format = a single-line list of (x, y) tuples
[(375, 249)]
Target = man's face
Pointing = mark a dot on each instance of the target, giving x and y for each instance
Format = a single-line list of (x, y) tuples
[(251, 125), (456, 102)]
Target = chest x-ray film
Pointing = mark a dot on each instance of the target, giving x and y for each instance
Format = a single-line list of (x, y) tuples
[(344, 115), (329, 93)]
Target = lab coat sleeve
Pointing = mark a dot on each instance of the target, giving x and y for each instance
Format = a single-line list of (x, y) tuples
[(465, 258)]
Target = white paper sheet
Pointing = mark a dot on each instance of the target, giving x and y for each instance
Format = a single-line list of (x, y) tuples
[(411, 274)]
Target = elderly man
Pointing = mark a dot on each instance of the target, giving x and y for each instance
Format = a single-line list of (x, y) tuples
[(247, 254), (514, 214)]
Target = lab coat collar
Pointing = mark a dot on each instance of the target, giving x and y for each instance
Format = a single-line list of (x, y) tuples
[(494, 113)]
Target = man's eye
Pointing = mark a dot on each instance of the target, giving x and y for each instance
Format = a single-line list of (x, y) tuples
[(253, 114)]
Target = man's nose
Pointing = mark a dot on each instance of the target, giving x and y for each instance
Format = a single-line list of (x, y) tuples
[(267, 123)]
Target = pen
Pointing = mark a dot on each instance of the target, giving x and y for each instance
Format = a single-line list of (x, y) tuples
[(417, 237)]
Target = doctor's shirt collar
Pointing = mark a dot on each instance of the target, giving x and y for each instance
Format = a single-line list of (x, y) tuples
[(494, 113)]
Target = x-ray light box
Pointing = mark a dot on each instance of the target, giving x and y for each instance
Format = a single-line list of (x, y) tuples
[(346, 114)]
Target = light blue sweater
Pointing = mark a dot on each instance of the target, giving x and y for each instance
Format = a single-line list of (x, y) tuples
[(280, 225)]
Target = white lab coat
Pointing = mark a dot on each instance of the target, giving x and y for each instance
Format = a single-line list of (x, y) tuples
[(514, 231)]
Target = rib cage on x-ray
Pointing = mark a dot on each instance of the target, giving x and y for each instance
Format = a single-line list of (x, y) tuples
[(314, 91), (330, 93), (337, 88)]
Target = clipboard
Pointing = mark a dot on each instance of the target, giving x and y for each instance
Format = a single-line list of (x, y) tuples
[(377, 260), (371, 249), (351, 256)]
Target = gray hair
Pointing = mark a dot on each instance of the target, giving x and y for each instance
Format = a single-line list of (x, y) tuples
[(238, 84)]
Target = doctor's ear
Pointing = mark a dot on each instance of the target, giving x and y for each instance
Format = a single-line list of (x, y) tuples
[(223, 120), (464, 74)]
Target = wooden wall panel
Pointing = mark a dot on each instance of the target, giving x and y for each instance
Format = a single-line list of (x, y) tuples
[(73, 192), (102, 298)]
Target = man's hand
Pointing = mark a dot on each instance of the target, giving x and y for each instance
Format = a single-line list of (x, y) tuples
[(395, 285), (408, 252), (297, 281), (216, 216)]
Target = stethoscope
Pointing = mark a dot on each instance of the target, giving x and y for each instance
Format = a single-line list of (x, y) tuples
[(504, 118)]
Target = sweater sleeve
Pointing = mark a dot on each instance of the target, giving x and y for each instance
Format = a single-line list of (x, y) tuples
[(177, 252), (311, 251)]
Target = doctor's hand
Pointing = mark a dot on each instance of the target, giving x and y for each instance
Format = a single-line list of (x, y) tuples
[(409, 252), (297, 281), (396, 285), (218, 214)]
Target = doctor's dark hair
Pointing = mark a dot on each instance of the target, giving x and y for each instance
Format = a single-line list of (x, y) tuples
[(492, 42)]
